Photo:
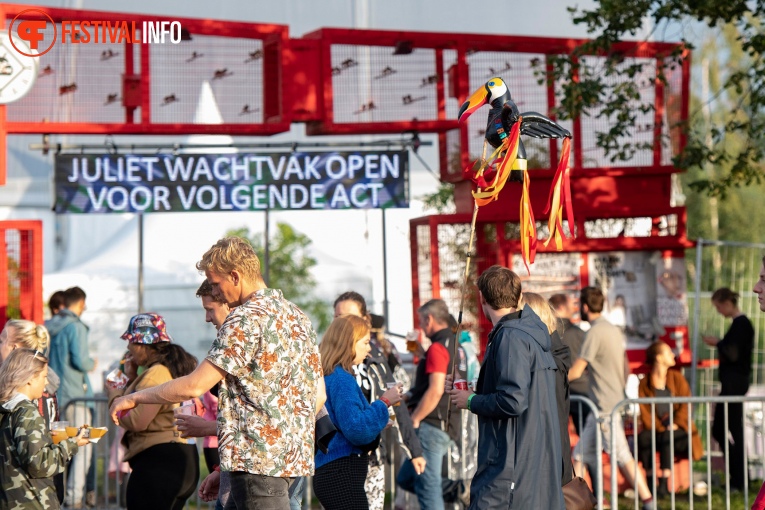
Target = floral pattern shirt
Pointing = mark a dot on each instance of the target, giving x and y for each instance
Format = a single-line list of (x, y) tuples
[(266, 402)]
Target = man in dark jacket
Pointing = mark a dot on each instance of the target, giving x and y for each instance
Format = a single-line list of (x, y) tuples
[(519, 450)]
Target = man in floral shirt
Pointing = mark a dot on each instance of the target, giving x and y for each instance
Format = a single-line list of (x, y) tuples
[(266, 356)]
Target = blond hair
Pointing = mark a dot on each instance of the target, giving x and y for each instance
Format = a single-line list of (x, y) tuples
[(20, 367), (232, 254), (542, 308), (27, 334), (338, 345)]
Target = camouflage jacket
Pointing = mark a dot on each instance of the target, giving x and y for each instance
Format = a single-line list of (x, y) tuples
[(28, 458)]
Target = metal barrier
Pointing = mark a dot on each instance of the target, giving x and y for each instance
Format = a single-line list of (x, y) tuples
[(597, 480), (109, 492), (631, 407), (461, 459)]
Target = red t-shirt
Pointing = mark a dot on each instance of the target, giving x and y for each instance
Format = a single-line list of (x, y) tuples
[(437, 359)]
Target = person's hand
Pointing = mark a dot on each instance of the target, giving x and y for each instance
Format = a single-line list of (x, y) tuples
[(95, 364), (393, 395), (80, 438), (415, 423), (712, 341), (119, 405), (131, 369), (675, 426), (459, 397), (448, 383), (208, 490), (418, 463), (195, 426)]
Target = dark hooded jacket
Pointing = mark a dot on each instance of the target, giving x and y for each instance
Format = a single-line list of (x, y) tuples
[(519, 450), (562, 356)]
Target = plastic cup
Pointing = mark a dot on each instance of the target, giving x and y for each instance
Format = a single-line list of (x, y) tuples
[(394, 385), (412, 345), (186, 409), (461, 384), (58, 431)]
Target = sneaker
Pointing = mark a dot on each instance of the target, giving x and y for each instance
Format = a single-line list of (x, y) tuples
[(90, 499)]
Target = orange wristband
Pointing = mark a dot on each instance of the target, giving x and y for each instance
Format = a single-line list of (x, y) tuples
[(385, 401)]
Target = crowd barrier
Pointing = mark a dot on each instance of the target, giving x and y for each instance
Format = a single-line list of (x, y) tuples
[(701, 479), (110, 480), (460, 463)]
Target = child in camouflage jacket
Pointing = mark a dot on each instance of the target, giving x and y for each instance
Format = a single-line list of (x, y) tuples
[(28, 457)]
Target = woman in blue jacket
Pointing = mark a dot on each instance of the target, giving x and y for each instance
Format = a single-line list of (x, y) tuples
[(341, 472)]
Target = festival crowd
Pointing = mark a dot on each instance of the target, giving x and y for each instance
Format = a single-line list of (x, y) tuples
[(273, 405)]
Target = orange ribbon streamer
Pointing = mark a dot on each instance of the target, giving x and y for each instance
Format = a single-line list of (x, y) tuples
[(510, 148), (528, 225), (560, 197)]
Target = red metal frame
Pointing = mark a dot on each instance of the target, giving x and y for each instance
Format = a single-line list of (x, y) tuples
[(501, 250), (231, 29), (30, 270)]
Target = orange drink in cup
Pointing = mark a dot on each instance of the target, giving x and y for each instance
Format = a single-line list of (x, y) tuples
[(411, 340), (58, 431)]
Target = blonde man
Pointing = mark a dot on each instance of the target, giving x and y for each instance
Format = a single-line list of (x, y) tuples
[(266, 359)]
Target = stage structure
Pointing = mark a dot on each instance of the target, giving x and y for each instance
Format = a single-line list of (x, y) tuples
[(21, 271), (374, 82)]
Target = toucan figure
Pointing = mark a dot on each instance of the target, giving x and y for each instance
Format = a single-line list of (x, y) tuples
[(504, 127)]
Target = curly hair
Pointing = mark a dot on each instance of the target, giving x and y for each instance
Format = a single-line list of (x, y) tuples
[(232, 254)]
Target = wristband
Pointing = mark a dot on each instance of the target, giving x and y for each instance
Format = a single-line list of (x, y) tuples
[(385, 401), (469, 399), (216, 467)]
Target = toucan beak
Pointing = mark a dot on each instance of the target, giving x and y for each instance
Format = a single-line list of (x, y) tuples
[(477, 100)]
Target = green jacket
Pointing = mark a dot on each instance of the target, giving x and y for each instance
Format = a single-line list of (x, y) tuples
[(28, 458)]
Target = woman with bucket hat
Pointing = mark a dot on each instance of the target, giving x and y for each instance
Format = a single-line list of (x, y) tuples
[(165, 466)]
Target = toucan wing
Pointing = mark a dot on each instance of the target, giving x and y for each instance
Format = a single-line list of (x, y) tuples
[(537, 125)]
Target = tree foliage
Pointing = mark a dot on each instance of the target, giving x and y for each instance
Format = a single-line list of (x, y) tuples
[(290, 268), (612, 91)]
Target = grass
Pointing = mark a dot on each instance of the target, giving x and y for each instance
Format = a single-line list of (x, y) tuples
[(699, 502)]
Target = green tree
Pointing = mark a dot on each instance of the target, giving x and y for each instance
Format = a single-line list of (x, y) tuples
[(290, 268), (734, 145)]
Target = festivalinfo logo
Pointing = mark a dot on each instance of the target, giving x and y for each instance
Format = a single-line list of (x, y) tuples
[(29, 28)]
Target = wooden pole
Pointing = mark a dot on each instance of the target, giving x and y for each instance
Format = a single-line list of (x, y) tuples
[(458, 331)]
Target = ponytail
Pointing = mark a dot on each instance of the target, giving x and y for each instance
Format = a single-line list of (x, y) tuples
[(175, 358)]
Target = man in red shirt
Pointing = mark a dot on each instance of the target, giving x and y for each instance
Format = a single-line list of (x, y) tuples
[(428, 404)]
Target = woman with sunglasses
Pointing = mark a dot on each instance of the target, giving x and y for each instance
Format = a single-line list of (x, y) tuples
[(28, 457), (19, 333)]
